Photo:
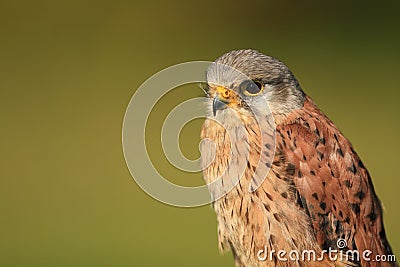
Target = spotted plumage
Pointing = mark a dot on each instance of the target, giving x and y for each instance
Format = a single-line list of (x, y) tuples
[(316, 189)]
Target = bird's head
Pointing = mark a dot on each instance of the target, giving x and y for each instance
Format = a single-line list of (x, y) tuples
[(245, 80)]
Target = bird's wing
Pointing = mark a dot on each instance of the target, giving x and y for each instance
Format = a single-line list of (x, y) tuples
[(333, 184)]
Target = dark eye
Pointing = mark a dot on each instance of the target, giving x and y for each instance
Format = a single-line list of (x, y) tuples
[(250, 87)]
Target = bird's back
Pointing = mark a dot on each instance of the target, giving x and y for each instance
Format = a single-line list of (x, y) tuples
[(333, 184)]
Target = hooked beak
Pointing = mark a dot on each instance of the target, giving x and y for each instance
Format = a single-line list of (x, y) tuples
[(222, 99), (218, 105)]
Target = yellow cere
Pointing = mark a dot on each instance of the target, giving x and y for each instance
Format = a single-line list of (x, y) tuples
[(224, 92)]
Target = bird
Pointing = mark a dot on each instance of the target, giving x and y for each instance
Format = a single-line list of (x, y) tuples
[(281, 175)]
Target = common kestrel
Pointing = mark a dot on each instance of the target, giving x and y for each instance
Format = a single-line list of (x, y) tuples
[(315, 190)]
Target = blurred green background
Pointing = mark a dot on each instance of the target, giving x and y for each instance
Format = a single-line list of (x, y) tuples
[(69, 68)]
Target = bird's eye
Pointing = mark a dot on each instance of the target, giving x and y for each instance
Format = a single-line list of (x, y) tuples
[(250, 87)]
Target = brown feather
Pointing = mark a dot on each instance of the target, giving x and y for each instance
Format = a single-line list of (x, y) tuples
[(316, 191), (334, 183)]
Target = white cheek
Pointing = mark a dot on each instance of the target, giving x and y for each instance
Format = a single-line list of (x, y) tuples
[(260, 105)]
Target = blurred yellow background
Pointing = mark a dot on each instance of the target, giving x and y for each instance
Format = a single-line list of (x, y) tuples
[(69, 68)]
